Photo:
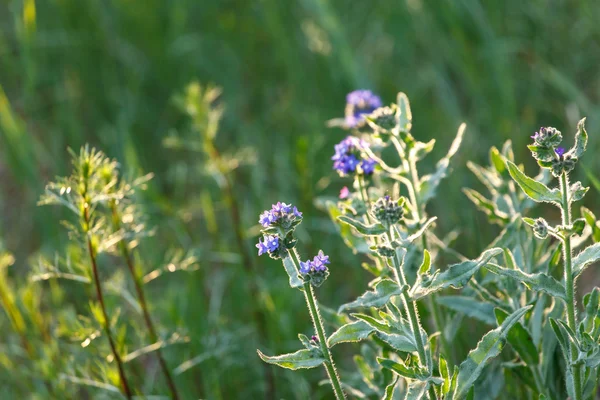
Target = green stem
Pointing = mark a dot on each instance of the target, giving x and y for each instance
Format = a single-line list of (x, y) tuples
[(364, 196), (431, 300), (569, 284), (315, 315), (137, 280)]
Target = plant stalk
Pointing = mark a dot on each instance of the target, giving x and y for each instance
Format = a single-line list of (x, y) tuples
[(137, 280), (100, 296), (315, 315), (431, 299), (569, 284)]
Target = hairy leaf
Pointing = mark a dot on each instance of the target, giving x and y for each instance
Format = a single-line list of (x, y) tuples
[(373, 229), (430, 183), (589, 255), (470, 307), (581, 139), (388, 394), (490, 346), (538, 281), (455, 276), (352, 332), (378, 297), (535, 190), (520, 340), (417, 390), (298, 360), (399, 368), (292, 272)]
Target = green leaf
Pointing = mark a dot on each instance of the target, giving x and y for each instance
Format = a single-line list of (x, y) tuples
[(487, 206), (590, 218), (592, 304), (445, 373), (290, 268), (455, 276), (352, 332), (299, 360), (356, 243), (577, 191), (398, 337), (496, 160), (535, 190), (489, 347), (470, 307), (430, 183), (538, 281), (384, 290), (520, 340), (372, 230), (426, 264), (589, 255), (399, 368), (388, 394), (405, 112), (581, 139), (417, 390)]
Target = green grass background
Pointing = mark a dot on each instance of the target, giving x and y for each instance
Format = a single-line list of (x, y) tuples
[(106, 72)]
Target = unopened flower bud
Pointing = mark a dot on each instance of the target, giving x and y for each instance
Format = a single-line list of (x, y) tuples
[(388, 211)]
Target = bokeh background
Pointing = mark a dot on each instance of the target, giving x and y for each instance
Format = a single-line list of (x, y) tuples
[(110, 73)]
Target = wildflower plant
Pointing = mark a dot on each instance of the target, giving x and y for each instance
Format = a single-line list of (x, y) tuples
[(395, 234), (576, 336), (279, 242)]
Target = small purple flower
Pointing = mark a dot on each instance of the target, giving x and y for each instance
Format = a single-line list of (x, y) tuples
[(281, 214), (262, 248), (359, 104), (560, 151), (344, 193), (305, 267), (368, 166), (314, 338), (269, 244), (348, 156), (320, 261), (267, 218)]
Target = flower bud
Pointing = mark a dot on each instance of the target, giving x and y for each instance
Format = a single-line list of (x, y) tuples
[(383, 119), (547, 137), (540, 228), (387, 211)]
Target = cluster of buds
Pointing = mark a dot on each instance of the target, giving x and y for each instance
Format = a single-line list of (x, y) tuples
[(315, 271), (540, 228), (384, 119), (388, 211), (563, 163), (546, 150)]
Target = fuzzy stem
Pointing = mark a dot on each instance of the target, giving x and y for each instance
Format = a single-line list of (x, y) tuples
[(137, 280), (431, 300), (364, 196), (100, 296), (315, 315), (569, 284)]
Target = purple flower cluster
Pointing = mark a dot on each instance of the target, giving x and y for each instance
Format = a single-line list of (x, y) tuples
[(269, 244), (348, 157), (559, 151), (318, 264), (359, 104), (278, 212)]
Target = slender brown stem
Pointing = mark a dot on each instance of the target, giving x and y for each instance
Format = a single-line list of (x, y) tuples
[(100, 297), (247, 260), (137, 280)]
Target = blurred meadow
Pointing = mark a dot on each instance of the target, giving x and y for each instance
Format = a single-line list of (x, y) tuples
[(225, 103)]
